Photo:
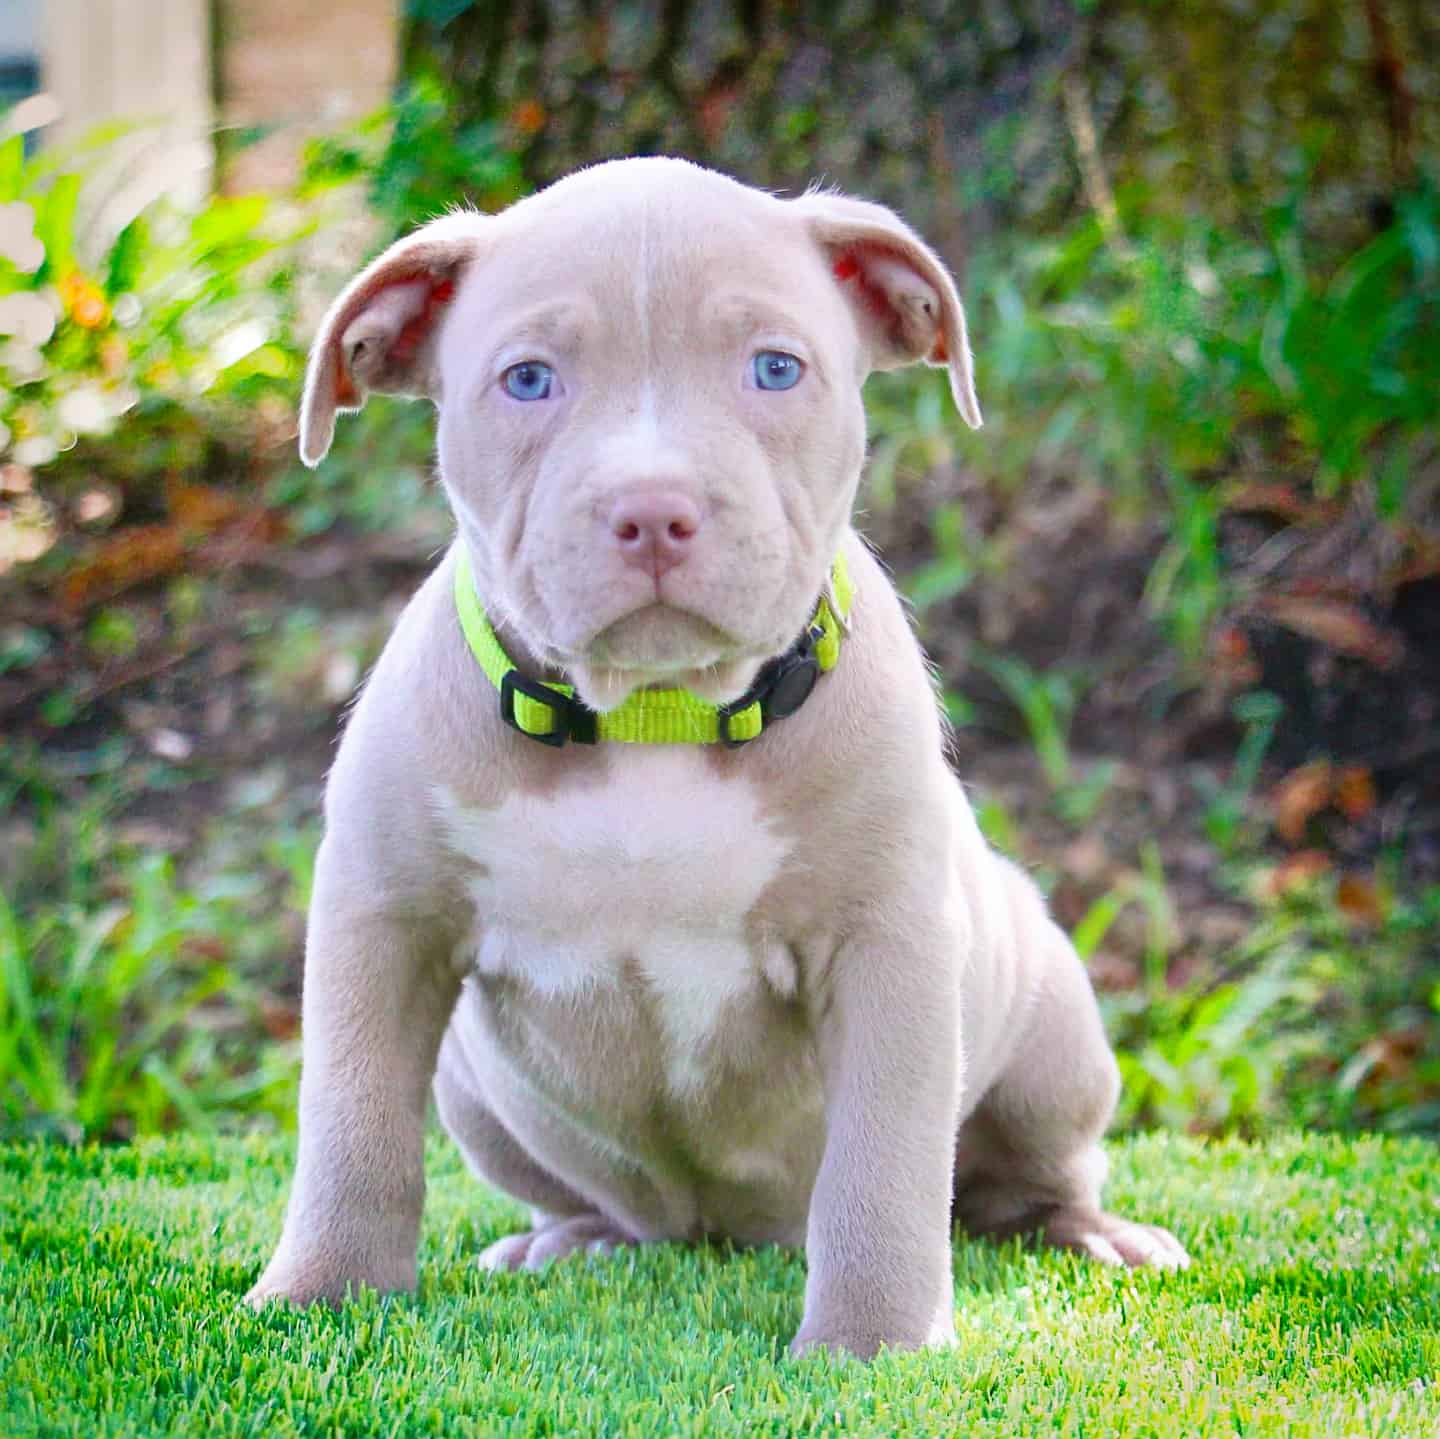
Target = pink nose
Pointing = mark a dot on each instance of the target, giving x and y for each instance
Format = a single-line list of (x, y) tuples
[(654, 529)]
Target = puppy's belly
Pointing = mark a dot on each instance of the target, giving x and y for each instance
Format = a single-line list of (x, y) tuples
[(626, 1019), (677, 1134)]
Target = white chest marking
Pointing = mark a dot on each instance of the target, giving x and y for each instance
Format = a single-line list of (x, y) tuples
[(659, 867)]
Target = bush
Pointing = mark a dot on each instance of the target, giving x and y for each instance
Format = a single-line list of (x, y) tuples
[(1186, 361), (133, 993), (1319, 1018), (1170, 366), (178, 323)]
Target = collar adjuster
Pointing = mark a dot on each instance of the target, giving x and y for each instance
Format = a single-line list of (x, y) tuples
[(573, 721), (781, 687)]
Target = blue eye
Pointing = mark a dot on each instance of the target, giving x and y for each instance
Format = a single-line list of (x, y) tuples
[(529, 380), (775, 370)]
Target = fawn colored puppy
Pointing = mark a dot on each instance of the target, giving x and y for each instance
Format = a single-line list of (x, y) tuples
[(641, 848)]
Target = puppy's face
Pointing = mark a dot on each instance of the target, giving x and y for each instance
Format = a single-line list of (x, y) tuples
[(648, 380), (651, 428)]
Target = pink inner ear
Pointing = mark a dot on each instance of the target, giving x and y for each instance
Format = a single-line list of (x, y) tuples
[(347, 397), (413, 333), (874, 297)]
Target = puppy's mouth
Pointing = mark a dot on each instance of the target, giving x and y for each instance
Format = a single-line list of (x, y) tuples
[(660, 638), (660, 645)]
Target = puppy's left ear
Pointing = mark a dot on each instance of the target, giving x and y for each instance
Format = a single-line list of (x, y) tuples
[(904, 299)]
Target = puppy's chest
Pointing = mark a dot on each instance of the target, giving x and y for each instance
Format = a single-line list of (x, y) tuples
[(646, 879)]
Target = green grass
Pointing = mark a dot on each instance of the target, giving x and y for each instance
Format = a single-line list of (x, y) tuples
[(1313, 1308)]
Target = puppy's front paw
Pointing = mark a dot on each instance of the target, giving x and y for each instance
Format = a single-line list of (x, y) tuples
[(297, 1289), (1113, 1240), (841, 1344), (323, 1283), (852, 1341), (267, 1291)]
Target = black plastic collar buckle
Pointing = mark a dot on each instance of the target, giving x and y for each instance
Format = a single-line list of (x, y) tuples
[(781, 687), (572, 720)]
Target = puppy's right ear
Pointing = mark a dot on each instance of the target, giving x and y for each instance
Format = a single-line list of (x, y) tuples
[(380, 334)]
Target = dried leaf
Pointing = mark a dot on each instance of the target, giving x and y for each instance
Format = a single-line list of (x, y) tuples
[(1295, 872), (1339, 626), (1232, 660), (1231, 644), (1261, 497), (1299, 797), (1392, 1055), (1359, 900), (203, 508), (1354, 791), (528, 117), (281, 1020), (143, 552), (1111, 972), (1423, 563), (714, 110)]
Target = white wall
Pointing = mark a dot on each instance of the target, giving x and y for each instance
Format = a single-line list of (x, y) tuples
[(145, 63)]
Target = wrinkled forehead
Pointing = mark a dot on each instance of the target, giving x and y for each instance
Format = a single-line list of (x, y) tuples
[(659, 260)]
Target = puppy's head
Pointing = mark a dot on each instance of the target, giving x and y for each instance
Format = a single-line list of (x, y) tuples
[(650, 427)]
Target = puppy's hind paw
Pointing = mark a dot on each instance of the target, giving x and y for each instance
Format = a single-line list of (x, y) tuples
[(592, 1233), (1113, 1240)]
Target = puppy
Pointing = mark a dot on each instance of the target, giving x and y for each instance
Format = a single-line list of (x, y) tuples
[(641, 848)]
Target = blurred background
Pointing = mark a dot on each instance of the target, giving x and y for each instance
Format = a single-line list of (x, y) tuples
[(1183, 590)]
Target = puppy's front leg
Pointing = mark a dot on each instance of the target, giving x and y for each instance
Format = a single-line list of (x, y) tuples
[(878, 1240), (378, 994)]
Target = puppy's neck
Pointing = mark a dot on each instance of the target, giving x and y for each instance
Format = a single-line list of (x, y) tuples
[(524, 655)]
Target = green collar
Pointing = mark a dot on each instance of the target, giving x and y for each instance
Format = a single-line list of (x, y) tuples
[(550, 713)]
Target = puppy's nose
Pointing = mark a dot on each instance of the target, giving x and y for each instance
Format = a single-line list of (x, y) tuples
[(654, 529)]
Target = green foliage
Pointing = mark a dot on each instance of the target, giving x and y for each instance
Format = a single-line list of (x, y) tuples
[(1156, 364), (415, 163), (1309, 1312), (179, 322), (1187, 355), (377, 476), (1227, 819), (1167, 353), (1316, 1019), (1046, 701), (128, 996)]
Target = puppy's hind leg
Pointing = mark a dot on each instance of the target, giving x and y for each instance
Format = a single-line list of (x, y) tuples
[(1028, 1160), (563, 1222)]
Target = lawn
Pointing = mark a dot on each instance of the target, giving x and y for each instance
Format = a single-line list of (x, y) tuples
[(1313, 1308)]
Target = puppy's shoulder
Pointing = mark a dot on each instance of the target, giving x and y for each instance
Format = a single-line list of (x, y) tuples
[(426, 721)]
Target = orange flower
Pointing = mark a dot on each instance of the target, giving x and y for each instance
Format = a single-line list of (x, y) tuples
[(84, 301)]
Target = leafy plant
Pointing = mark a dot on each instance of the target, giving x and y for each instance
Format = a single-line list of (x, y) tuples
[(177, 322), (1227, 808), (1046, 701), (1316, 1019), (128, 997), (133, 315), (1158, 369), (415, 163)]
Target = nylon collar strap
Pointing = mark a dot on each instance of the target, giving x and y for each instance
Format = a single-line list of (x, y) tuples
[(548, 711)]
